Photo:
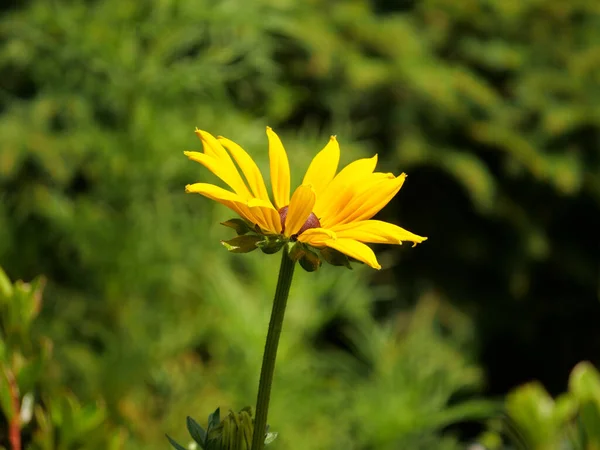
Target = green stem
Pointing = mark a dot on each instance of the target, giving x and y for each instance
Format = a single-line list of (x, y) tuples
[(286, 272)]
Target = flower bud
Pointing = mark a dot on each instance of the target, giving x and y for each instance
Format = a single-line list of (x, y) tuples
[(234, 432)]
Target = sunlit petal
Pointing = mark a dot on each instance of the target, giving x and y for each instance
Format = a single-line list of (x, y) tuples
[(347, 200), (211, 145), (267, 212), (300, 208), (376, 232), (248, 167), (233, 201), (216, 159), (218, 194), (356, 250), (253, 177), (370, 203), (328, 203), (280, 170), (323, 167)]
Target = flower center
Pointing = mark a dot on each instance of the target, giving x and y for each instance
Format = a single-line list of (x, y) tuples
[(311, 222)]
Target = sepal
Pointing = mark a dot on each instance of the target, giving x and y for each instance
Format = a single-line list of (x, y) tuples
[(334, 257), (296, 250), (271, 244), (242, 244), (310, 261), (240, 226)]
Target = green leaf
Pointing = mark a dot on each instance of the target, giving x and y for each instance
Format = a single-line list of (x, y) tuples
[(242, 244), (6, 288), (5, 394), (240, 226), (196, 431), (584, 384), (534, 412), (30, 373), (175, 445)]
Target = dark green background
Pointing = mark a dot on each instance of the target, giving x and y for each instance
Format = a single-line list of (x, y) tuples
[(492, 107)]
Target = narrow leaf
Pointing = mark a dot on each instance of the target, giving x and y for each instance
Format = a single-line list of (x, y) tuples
[(196, 431), (6, 288), (175, 445)]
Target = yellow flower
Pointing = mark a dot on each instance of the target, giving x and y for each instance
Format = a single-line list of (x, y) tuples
[(326, 210)]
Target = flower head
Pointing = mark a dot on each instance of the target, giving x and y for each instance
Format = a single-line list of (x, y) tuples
[(328, 212)]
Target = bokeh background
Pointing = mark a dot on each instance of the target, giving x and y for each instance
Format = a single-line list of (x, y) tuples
[(492, 107)]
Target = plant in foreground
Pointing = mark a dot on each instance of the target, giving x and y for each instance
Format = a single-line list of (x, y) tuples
[(328, 217), (534, 420), (38, 412)]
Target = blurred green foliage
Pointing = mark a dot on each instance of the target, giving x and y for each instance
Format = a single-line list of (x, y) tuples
[(40, 413), (492, 107), (396, 394), (536, 421)]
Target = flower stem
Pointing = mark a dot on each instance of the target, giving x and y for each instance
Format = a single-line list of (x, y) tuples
[(286, 273), (14, 426)]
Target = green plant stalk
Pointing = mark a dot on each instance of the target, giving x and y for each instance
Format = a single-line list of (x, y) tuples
[(286, 273)]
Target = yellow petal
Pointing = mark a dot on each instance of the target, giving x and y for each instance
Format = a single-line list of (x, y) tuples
[(356, 250), (268, 213), (376, 232), (323, 167), (299, 209), (211, 145), (223, 168), (346, 202), (280, 170), (349, 176), (369, 203), (254, 178), (263, 217), (249, 168), (317, 237), (233, 201), (213, 192), (218, 194)]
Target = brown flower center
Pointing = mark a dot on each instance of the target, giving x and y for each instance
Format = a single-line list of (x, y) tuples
[(311, 222)]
